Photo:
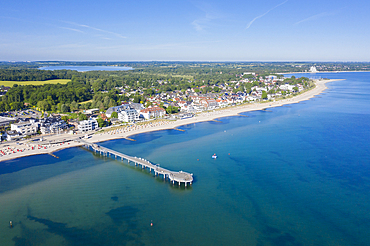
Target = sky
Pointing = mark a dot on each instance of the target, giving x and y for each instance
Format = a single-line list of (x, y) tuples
[(185, 30)]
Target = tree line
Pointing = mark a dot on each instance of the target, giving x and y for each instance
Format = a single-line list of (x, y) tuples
[(34, 74)]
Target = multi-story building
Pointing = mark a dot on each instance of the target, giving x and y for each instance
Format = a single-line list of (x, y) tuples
[(209, 103), (87, 125), (128, 115), (56, 127), (25, 128), (152, 112)]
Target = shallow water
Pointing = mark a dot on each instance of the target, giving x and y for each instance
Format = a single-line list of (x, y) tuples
[(293, 175)]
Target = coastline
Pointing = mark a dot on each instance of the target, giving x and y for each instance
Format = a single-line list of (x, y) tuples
[(327, 72), (52, 145)]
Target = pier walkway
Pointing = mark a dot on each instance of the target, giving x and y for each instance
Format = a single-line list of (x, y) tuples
[(179, 177)]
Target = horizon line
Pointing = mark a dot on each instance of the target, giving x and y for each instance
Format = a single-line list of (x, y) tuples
[(209, 61)]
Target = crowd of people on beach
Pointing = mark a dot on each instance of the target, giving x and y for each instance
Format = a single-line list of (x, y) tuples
[(135, 127), (9, 150)]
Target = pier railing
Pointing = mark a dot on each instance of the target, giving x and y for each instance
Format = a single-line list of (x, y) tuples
[(178, 177)]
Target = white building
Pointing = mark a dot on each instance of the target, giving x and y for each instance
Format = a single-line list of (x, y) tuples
[(113, 109), (153, 112), (286, 87), (222, 102), (136, 106), (87, 125), (5, 121), (209, 104), (92, 111), (128, 115), (56, 127), (126, 107), (25, 128), (313, 69), (188, 109), (12, 135)]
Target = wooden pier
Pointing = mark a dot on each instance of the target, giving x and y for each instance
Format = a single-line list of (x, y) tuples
[(178, 177)]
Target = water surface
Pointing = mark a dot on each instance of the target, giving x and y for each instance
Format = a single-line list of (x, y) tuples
[(86, 68), (293, 175)]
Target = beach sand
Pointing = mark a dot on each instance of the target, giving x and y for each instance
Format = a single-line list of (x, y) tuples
[(54, 143)]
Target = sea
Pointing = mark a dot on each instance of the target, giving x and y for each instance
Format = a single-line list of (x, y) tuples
[(86, 68), (298, 174)]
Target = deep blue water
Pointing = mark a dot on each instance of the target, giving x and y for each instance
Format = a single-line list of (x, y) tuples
[(292, 175), (87, 68)]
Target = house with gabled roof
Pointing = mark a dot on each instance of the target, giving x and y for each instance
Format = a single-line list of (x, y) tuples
[(152, 112)]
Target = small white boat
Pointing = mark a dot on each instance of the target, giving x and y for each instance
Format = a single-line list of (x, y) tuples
[(214, 156)]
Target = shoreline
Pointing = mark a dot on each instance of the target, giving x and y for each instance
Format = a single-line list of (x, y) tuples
[(327, 72), (51, 145)]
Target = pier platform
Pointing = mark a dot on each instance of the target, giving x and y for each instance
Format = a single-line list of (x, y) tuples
[(174, 177)]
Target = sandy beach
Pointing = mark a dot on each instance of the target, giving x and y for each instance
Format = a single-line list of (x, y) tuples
[(54, 143)]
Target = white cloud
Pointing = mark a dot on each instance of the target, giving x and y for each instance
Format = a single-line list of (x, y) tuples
[(209, 15), (316, 17), (71, 29), (260, 16), (96, 29)]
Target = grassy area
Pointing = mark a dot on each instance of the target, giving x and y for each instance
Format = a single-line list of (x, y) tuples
[(85, 102), (183, 76), (52, 81)]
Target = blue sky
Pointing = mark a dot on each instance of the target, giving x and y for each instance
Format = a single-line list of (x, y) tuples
[(182, 30)]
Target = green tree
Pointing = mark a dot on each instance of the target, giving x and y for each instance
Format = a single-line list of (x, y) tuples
[(65, 118), (44, 105), (101, 122), (264, 95), (172, 110), (82, 117), (64, 108), (137, 99), (114, 115), (74, 106)]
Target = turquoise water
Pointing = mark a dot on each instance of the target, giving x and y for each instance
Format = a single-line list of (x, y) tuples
[(86, 68), (292, 175)]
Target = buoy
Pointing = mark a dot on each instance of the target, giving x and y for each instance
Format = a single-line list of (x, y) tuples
[(229, 153), (11, 224), (197, 159), (151, 223)]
